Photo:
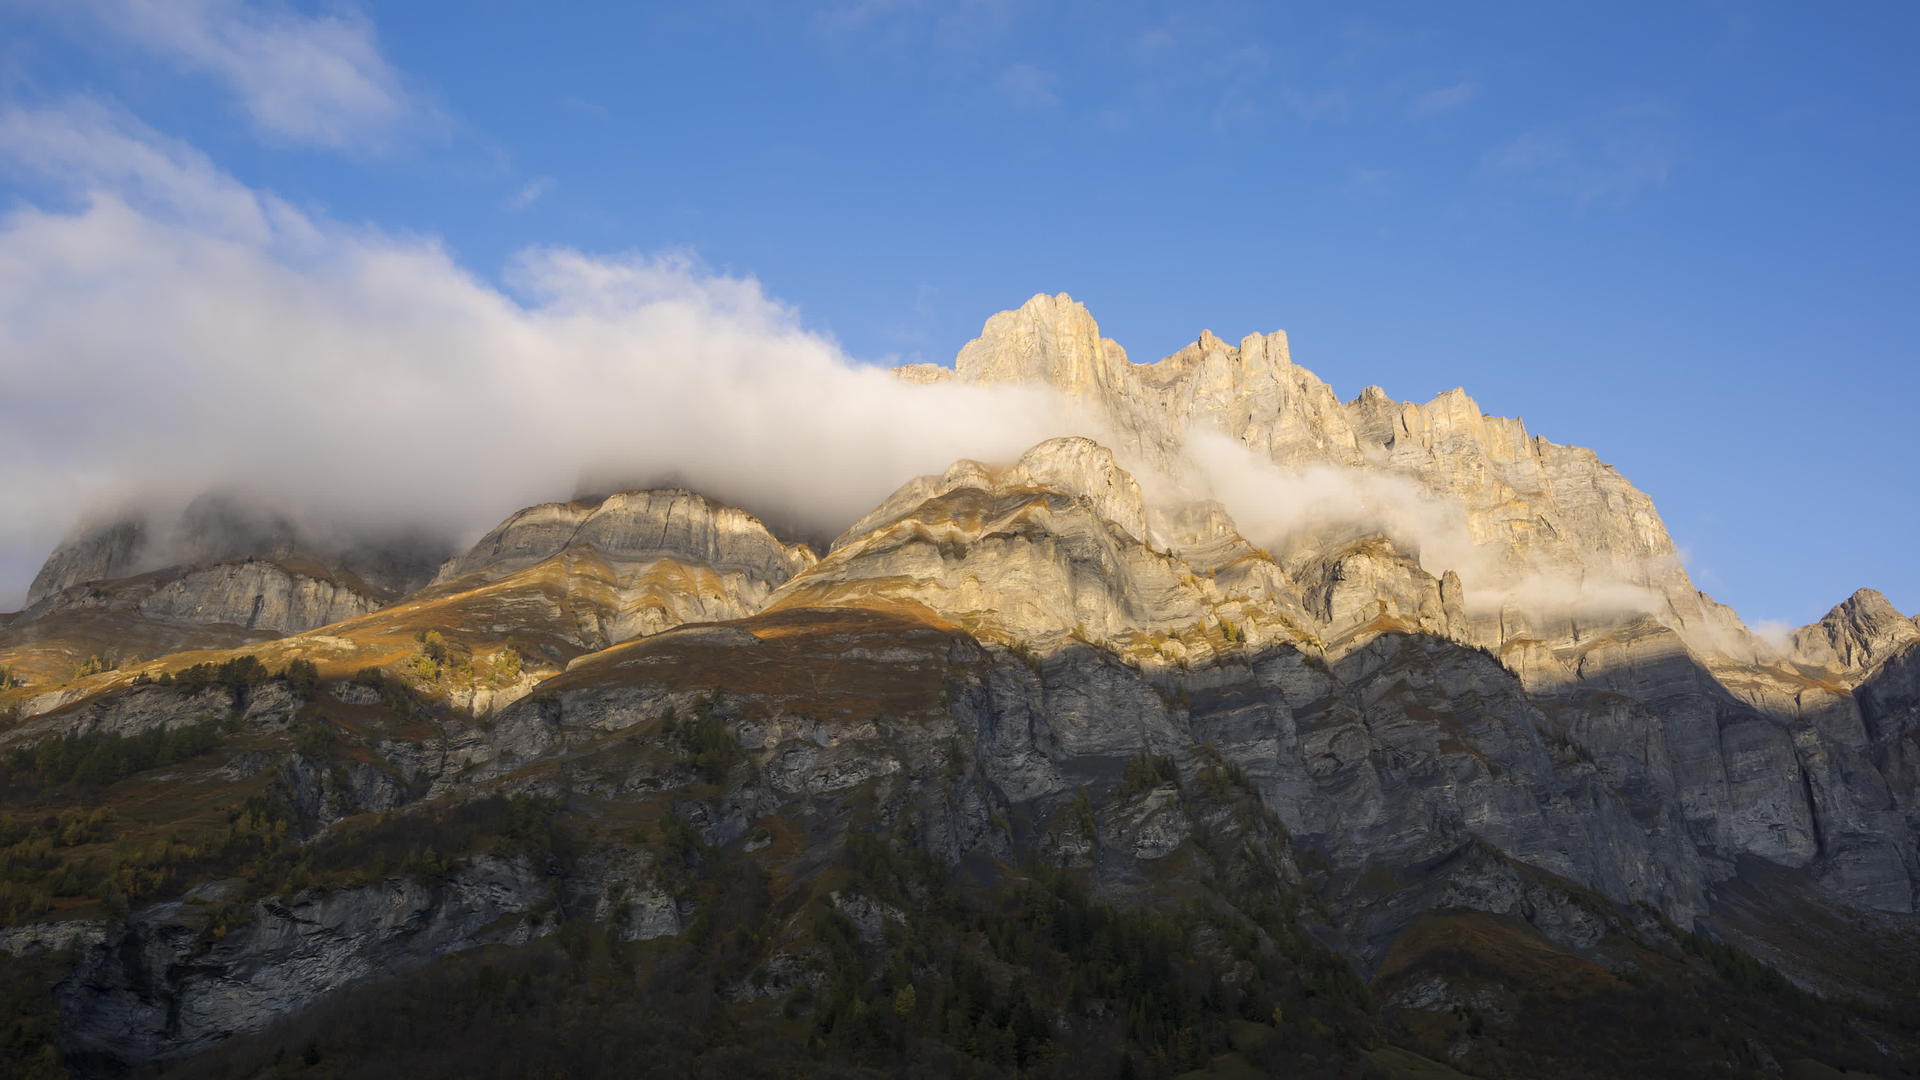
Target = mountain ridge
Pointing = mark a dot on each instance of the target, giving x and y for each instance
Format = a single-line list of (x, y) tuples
[(1392, 690)]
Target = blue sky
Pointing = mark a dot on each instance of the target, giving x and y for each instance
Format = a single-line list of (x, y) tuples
[(1681, 233)]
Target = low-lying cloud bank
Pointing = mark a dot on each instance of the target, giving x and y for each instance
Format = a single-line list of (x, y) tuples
[(1281, 507), (166, 330)]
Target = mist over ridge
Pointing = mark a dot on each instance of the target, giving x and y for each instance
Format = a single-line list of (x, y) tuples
[(173, 332)]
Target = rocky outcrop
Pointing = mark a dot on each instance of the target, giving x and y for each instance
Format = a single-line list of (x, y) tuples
[(275, 597), (1057, 545), (1370, 583), (259, 595), (1544, 537), (1486, 534), (92, 553), (1857, 636), (124, 621), (165, 986), (633, 563), (1674, 768), (219, 573), (220, 528), (638, 527)]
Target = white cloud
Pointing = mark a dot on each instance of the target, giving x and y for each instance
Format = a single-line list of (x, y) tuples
[(318, 79), (1777, 633), (1446, 99), (84, 146), (1308, 507), (175, 331)]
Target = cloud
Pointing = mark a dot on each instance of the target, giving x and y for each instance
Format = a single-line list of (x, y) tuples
[(532, 192), (317, 79), (1309, 508), (166, 330), (1445, 100), (1028, 87), (84, 146)]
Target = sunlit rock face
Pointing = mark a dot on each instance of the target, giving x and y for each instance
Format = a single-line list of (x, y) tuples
[(637, 526), (1547, 536), (639, 561), (1056, 544), (1858, 635), (1493, 537)]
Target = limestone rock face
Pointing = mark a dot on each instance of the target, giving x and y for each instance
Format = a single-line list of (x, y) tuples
[(923, 374), (277, 596), (637, 526), (1050, 339), (1857, 635), (634, 563), (258, 595), (92, 553), (1074, 466), (221, 571), (225, 562), (215, 606), (1566, 573), (217, 528), (1370, 581), (1556, 536), (1331, 682), (1057, 545)]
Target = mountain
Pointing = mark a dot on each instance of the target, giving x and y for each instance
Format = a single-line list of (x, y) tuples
[(220, 572), (1237, 729)]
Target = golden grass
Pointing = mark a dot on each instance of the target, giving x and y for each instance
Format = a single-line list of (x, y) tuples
[(809, 660)]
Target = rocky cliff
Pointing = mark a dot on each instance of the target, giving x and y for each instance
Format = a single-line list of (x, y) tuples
[(1545, 537), (638, 527), (664, 557), (219, 528), (220, 571), (1569, 577), (1249, 730)]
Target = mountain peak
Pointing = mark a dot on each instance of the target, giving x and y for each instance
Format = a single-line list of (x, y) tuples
[(1867, 599), (637, 526), (1048, 339), (1859, 633)]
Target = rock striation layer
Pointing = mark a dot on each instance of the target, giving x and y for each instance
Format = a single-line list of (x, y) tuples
[(638, 526), (651, 560)]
